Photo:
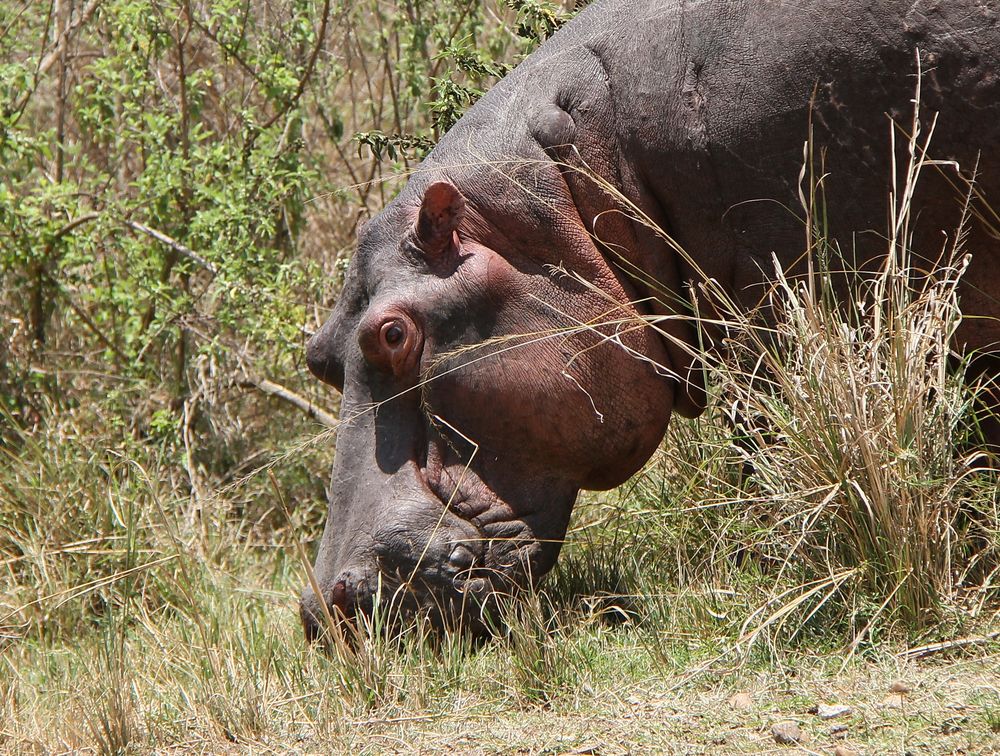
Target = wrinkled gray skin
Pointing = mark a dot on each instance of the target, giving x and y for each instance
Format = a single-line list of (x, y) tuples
[(455, 473)]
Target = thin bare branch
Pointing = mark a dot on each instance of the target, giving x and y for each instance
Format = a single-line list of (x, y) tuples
[(175, 245), (919, 652), (296, 400), (55, 54)]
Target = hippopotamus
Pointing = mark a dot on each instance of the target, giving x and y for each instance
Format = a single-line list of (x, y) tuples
[(517, 324)]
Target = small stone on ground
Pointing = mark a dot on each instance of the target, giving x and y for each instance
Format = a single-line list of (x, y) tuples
[(741, 702), (786, 733), (831, 711), (893, 701)]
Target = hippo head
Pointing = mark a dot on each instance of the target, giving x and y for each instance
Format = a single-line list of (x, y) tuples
[(482, 386)]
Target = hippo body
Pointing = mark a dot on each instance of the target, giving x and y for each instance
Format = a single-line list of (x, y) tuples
[(485, 340)]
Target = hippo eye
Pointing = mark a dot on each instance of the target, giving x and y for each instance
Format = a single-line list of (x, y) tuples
[(393, 333), (391, 341)]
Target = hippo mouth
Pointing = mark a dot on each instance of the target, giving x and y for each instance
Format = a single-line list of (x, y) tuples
[(448, 546), (512, 526), (396, 587), (462, 581)]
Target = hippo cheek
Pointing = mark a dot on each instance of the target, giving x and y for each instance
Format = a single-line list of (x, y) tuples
[(586, 410)]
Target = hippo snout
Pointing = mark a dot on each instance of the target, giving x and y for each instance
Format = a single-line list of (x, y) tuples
[(438, 577), (311, 614), (350, 594)]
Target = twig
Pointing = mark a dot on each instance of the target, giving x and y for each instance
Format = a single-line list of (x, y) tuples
[(274, 389), (54, 55), (50, 60), (174, 245), (87, 321), (74, 224), (919, 652), (307, 74)]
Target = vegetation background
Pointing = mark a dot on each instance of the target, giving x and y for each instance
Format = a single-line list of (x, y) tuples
[(180, 183)]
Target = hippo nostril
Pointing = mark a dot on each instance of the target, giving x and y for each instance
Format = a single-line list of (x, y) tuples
[(462, 558), (474, 585), (340, 599)]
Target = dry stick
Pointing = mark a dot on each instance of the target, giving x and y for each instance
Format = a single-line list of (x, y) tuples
[(919, 652), (275, 389), (50, 60), (74, 224), (175, 245), (54, 55)]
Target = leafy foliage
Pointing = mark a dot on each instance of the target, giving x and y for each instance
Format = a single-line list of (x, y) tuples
[(179, 186), (173, 182), (537, 19)]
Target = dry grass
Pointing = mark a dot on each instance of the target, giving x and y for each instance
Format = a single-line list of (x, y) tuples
[(227, 674), (844, 480), (789, 560), (173, 637)]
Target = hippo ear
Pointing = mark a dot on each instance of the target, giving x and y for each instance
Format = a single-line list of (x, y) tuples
[(441, 212)]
